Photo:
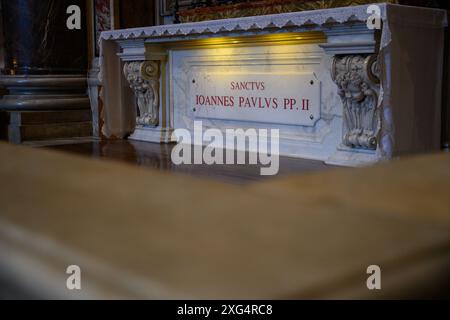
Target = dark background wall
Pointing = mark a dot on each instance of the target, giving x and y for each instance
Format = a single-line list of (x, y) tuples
[(137, 13), (37, 40)]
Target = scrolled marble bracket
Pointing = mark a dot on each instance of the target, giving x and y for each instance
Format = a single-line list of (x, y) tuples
[(357, 78), (143, 78)]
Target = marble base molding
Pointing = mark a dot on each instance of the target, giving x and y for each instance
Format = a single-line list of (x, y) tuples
[(38, 92), (155, 135), (45, 107)]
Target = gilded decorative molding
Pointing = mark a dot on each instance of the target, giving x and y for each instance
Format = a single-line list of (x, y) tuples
[(143, 77), (264, 7), (357, 78)]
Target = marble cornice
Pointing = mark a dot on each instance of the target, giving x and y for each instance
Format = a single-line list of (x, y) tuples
[(307, 20), (304, 19)]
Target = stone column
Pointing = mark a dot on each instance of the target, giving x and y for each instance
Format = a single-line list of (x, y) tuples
[(45, 71)]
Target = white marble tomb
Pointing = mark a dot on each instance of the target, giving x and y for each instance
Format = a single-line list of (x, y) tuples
[(337, 91)]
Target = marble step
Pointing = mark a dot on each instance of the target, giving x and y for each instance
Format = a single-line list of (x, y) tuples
[(49, 117), (32, 132)]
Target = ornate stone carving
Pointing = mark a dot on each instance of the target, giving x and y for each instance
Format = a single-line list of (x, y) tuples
[(262, 7), (357, 78), (143, 77)]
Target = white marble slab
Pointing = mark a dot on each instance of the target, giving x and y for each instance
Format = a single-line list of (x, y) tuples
[(289, 98), (313, 139)]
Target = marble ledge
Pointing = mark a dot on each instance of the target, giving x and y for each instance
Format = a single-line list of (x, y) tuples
[(304, 20)]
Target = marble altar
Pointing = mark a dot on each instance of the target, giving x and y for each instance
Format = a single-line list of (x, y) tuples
[(364, 94)]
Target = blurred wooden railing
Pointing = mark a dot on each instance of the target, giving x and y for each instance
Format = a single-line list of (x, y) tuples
[(138, 233)]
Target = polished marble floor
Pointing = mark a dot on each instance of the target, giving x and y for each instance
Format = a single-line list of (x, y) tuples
[(158, 157)]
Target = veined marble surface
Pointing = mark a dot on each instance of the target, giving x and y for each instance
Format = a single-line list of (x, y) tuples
[(313, 142)]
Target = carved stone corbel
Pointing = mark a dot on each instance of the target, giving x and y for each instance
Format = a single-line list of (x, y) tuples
[(357, 78), (143, 77)]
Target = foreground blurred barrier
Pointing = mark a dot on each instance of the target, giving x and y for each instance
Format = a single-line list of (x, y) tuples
[(137, 233)]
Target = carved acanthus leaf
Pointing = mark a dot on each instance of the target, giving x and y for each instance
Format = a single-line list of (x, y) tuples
[(357, 78), (143, 78)]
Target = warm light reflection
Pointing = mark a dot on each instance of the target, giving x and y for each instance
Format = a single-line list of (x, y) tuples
[(268, 39)]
